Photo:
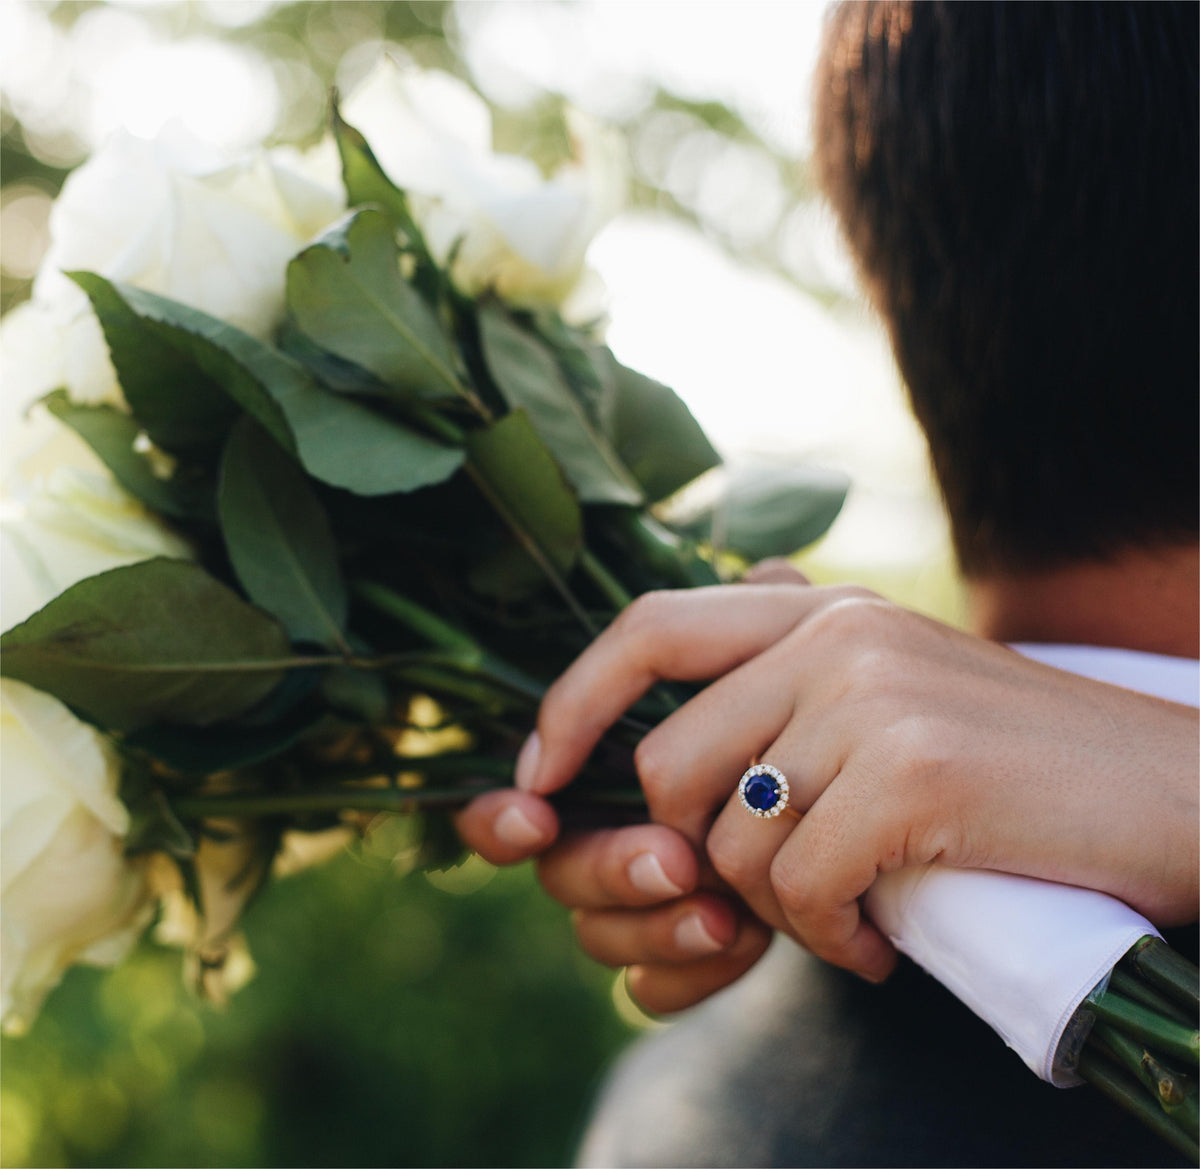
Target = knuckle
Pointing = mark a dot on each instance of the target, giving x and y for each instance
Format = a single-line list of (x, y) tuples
[(915, 741), (655, 767), (644, 615), (873, 674), (916, 751), (734, 863), (775, 570), (852, 612), (853, 592), (793, 885)]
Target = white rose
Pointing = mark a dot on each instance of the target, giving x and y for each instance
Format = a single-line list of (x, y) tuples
[(76, 524), (32, 361), (215, 235), (67, 892), (517, 232)]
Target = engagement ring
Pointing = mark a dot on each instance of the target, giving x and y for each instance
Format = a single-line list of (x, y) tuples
[(763, 790)]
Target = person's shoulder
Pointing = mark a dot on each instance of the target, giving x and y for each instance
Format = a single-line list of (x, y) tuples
[(1172, 678)]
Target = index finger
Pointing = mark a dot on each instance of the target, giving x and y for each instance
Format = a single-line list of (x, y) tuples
[(688, 635)]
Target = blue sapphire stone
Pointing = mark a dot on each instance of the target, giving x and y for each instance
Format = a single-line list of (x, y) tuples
[(761, 792)]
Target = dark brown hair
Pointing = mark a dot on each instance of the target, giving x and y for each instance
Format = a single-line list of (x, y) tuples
[(1019, 185)]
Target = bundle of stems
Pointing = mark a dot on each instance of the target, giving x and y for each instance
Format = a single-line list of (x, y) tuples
[(1144, 1048)]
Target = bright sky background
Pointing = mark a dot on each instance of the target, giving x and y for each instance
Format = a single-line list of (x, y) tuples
[(769, 371)]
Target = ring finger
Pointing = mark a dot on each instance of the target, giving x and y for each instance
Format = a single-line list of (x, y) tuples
[(753, 826)]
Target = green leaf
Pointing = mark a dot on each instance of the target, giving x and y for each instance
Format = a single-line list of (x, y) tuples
[(366, 182), (176, 402), (586, 366), (279, 539), (339, 442), (333, 372), (528, 489), (347, 445), (239, 365), (297, 685), (159, 641), (111, 433), (346, 292), (529, 379), (771, 511), (654, 432)]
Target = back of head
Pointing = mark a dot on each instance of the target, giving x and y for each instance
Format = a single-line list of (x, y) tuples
[(1019, 185)]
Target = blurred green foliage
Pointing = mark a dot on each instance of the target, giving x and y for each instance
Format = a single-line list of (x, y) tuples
[(390, 1023)]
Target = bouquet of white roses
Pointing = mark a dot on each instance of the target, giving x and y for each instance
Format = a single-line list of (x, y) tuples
[(358, 500), (351, 491)]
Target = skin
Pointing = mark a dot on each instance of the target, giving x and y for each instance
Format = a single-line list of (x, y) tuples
[(904, 741)]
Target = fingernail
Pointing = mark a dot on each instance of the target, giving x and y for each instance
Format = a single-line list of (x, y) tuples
[(517, 830), (527, 762), (868, 976), (646, 875), (691, 934)]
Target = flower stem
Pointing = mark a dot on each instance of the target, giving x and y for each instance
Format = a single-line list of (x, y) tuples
[(341, 791), (466, 655), (1170, 972), (1174, 1039), (604, 580), (441, 426), (531, 546), (1131, 987), (1122, 1088), (1167, 1085), (414, 617), (338, 799), (662, 551)]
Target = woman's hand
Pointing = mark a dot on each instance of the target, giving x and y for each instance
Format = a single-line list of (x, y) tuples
[(904, 741), (636, 893), (641, 897)]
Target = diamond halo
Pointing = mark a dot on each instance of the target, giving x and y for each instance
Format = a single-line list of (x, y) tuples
[(763, 791)]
